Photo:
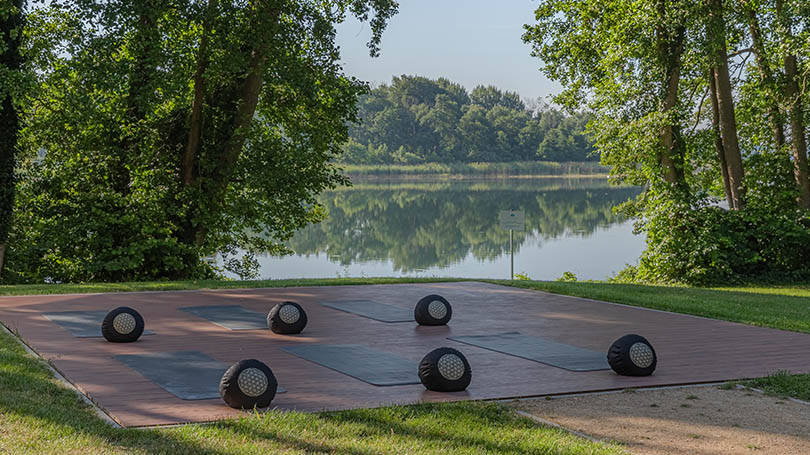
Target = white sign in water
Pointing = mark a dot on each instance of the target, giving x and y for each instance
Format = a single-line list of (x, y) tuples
[(513, 220)]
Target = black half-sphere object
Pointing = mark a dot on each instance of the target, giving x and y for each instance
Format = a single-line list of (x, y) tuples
[(248, 384), (287, 318), (445, 370), (122, 325), (632, 355), (433, 310)]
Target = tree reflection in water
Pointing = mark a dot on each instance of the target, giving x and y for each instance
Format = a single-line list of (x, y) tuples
[(416, 225)]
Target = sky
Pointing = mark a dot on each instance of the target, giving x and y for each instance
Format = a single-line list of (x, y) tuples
[(471, 42)]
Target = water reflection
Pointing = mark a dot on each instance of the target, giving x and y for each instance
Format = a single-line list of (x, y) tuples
[(409, 227)]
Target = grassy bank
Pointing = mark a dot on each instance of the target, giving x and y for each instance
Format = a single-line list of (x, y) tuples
[(141, 286), (40, 417), (778, 307), (784, 384), (520, 168)]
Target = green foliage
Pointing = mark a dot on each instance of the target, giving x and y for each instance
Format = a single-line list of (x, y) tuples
[(629, 274), (416, 120), (713, 245), (522, 277), (568, 277), (122, 192), (515, 168), (615, 59)]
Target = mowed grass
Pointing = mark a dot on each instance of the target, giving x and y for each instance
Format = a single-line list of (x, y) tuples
[(140, 286), (778, 307), (38, 416)]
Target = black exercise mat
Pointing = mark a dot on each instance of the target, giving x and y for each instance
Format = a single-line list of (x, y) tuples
[(81, 324), (231, 317), (372, 310), (188, 375), (360, 362), (544, 351)]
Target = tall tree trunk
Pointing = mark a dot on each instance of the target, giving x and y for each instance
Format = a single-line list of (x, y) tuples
[(725, 104), (191, 152), (670, 49), (11, 22), (796, 114), (765, 76), (797, 133), (145, 44), (2, 259), (718, 139), (265, 20)]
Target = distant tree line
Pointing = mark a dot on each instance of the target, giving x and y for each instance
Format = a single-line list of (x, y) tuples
[(417, 120)]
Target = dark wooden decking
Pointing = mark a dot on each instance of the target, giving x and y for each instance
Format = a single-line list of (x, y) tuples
[(690, 349)]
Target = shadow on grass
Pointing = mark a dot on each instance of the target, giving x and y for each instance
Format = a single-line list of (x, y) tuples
[(459, 427)]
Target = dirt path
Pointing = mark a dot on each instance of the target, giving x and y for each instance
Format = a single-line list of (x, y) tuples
[(695, 420)]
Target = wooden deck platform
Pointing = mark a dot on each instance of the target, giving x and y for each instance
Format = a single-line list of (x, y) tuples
[(690, 349)]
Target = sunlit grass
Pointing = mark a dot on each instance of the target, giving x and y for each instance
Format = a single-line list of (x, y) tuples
[(779, 307), (784, 384)]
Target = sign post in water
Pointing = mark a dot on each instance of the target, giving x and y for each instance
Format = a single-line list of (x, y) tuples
[(512, 220)]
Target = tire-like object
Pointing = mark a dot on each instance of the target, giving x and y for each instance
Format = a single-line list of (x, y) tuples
[(445, 370), (632, 355), (122, 325), (433, 310), (248, 384), (287, 318)]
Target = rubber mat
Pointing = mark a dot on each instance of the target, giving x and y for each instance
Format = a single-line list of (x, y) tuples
[(232, 317), (82, 324), (188, 375), (549, 352), (360, 362), (372, 310)]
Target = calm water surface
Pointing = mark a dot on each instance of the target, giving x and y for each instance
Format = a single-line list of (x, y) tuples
[(450, 228)]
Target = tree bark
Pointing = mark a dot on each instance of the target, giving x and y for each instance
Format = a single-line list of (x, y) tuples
[(11, 23), (192, 150), (718, 139), (725, 104), (765, 77), (144, 45), (670, 49), (796, 114), (797, 132), (264, 19)]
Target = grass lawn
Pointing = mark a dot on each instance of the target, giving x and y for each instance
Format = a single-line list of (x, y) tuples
[(778, 307), (38, 416), (35, 289)]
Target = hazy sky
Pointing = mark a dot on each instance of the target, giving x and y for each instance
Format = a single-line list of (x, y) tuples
[(468, 41)]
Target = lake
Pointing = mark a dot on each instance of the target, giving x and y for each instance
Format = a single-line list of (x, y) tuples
[(450, 228)]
